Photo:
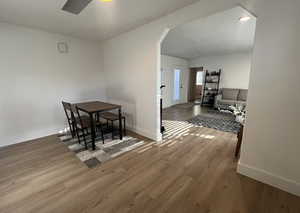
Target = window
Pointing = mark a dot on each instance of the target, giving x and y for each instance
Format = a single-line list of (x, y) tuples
[(199, 78)]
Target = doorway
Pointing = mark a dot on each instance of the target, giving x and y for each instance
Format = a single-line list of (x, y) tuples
[(174, 77), (177, 90), (196, 84), (195, 61)]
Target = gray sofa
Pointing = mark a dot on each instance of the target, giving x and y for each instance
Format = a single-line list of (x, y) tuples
[(228, 97)]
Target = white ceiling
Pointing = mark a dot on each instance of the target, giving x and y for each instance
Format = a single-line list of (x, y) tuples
[(218, 34), (98, 21)]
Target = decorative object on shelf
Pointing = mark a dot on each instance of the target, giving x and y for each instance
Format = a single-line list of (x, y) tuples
[(211, 87)]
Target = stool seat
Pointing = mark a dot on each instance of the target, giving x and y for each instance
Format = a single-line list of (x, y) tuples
[(109, 116)]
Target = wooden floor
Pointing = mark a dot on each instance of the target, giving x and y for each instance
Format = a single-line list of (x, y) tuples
[(182, 112), (191, 172)]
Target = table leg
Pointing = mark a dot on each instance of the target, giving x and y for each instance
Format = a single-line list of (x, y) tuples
[(93, 131), (238, 148), (239, 143), (120, 124)]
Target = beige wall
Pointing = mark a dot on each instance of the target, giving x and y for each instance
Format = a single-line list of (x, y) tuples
[(35, 78), (271, 146), (270, 151), (235, 68)]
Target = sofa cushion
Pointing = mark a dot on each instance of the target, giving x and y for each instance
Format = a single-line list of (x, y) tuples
[(230, 94), (243, 95)]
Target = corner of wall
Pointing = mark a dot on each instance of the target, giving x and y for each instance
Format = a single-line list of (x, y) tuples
[(269, 178), (145, 133)]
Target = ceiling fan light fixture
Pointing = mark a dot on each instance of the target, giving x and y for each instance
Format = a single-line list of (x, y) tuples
[(244, 18), (76, 6)]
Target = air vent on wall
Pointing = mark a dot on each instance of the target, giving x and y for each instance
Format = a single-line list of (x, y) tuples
[(62, 47)]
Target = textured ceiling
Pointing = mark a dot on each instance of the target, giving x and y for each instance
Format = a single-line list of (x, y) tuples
[(218, 34), (98, 21)]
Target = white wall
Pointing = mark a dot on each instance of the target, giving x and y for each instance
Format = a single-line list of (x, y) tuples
[(35, 78), (132, 66), (271, 147), (130, 79), (168, 65), (235, 68)]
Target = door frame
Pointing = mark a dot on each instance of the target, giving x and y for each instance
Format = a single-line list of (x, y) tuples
[(192, 82), (180, 86)]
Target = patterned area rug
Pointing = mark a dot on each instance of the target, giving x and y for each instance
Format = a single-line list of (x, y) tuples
[(223, 114), (225, 124), (104, 152)]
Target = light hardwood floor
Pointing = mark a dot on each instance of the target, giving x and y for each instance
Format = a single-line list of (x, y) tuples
[(190, 172)]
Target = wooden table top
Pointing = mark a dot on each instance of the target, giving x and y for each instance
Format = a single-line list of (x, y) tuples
[(96, 106)]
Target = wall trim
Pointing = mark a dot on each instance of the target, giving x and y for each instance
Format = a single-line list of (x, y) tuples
[(144, 133), (28, 139), (269, 178), (139, 131)]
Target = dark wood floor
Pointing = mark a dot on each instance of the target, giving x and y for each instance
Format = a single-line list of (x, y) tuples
[(191, 172), (182, 112)]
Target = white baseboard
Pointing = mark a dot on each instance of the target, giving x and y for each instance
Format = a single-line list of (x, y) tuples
[(269, 178), (28, 138), (25, 139), (144, 133)]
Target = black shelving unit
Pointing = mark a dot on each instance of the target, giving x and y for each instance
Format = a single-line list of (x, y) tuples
[(211, 87)]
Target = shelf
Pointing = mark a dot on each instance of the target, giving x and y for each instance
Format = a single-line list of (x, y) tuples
[(211, 90), (212, 75)]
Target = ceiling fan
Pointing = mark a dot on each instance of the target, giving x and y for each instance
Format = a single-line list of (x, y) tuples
[(76, 6)]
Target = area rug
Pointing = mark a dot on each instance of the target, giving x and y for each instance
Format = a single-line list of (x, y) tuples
[(104, 152), (224, 114), (225, 124)]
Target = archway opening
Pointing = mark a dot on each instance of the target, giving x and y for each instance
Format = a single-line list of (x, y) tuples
[(204, 71)]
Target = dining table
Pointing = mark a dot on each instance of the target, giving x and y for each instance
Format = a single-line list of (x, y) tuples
[(94, 108)]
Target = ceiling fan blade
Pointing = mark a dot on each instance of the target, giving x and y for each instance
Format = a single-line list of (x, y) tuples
[(75, 6)]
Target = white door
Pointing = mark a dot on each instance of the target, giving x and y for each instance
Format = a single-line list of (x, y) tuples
[(177, 87)]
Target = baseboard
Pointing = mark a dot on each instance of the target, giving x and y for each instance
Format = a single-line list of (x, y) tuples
[(25, 139), (143, 132), (269, 178), (28, 139)]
